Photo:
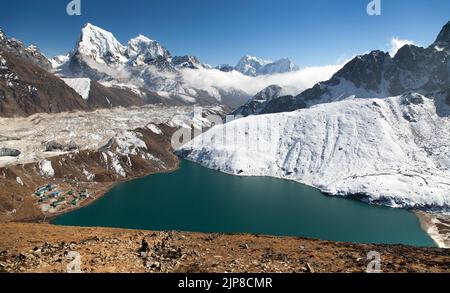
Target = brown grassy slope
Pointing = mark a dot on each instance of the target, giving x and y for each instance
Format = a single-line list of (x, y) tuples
[(52, 95)]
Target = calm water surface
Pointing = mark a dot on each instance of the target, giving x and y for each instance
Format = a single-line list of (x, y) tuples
[(198, 199)]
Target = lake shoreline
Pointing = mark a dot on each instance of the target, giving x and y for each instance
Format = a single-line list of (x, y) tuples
[(48, 218), (436, 226), (181, 227)]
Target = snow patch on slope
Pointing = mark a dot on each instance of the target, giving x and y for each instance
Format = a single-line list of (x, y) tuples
[(154, 129), (19, 181), (129, 142), (46, 169), (81, 85), (115, 164)]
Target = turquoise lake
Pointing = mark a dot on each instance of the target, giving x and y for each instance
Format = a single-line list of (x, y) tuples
[(198, 199)]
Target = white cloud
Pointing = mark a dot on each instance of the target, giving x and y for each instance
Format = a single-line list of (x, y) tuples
[(397, 43), (293, 82)]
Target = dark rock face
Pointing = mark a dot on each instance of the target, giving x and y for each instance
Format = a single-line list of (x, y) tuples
[(5, 152), (225, 68), (186, 62), (443, 38), (259, 101), (26, 89), (366, 71), (283, 104)]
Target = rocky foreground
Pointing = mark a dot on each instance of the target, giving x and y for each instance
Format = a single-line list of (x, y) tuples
[(47, 248)]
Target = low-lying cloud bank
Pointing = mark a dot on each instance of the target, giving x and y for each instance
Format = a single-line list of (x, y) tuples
[(293, 82)]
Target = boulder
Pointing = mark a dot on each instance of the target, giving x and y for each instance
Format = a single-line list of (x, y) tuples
[(5, 152), (53, 146)]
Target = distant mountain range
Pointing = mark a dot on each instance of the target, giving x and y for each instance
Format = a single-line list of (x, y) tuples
[(252, 66), (145, 65), (100, 72)]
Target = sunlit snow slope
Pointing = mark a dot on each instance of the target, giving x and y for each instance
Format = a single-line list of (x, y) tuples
[(393, 151)]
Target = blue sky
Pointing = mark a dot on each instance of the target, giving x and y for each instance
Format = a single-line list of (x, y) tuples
[(315, 32)]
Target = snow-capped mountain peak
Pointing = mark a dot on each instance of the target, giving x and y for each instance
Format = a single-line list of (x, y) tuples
[(250, 65), (59, 60), (141, 39), (253, 66), (100, 45), (141, 49), (280, 66), (443, 39)]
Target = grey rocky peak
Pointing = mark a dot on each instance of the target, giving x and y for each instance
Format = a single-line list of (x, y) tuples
[(187, 61), (366, 70), (257, 104), (225, 67), (443, 38)]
